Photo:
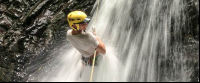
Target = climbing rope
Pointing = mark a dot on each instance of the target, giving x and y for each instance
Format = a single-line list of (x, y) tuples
[(95, 50)]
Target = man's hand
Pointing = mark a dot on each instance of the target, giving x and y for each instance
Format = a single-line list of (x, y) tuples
[(94, 31), (101, 47)]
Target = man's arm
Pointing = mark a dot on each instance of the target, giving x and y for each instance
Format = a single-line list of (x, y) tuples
[(101, 47)]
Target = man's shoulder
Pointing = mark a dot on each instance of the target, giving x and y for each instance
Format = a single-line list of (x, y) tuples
[(69, 32), (90, 33)]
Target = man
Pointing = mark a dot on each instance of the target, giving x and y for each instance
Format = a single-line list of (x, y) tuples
[(85, 42)]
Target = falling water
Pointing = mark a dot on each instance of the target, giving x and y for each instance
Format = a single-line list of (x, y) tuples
[(138, 35)]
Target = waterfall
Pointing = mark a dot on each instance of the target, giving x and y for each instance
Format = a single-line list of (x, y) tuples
[(141, 30), (143, 43)]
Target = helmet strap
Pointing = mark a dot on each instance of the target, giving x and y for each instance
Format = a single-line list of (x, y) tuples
[(74, 27)]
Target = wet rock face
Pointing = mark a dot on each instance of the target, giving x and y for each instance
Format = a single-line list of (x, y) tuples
[(191, 38), (27, 27)]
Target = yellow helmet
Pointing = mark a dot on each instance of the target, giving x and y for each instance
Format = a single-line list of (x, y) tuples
[(76, 18)]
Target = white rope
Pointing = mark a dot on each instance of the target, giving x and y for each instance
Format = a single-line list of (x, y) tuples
[(91, 76)]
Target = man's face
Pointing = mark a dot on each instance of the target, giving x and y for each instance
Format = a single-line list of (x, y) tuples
[(83, 26)]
